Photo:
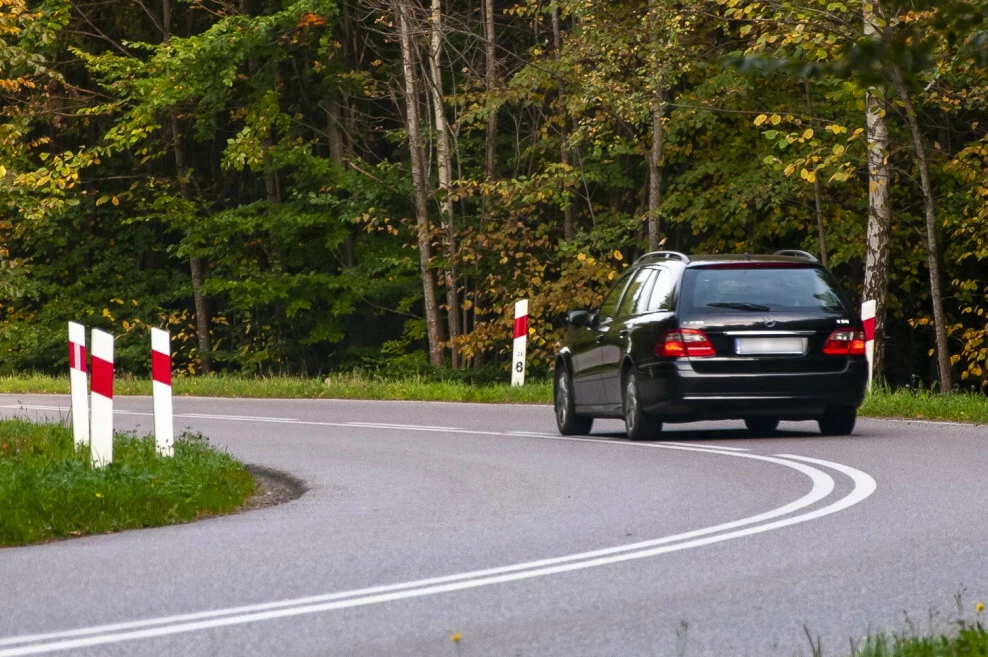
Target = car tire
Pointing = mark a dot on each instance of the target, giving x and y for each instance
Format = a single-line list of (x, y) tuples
[(760, 425), (567, 421), (638, 424), (838, 420)]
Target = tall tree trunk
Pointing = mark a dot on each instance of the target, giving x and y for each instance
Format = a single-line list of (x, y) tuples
[(490, 151), (490, 83), (876, 279), (402, 12), (445, 164), (818, 203), (932, 237), (655, 159), (655, 153), (569, 225), (195, 263)]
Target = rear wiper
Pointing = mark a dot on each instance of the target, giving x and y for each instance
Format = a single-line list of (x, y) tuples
[(737, 305)]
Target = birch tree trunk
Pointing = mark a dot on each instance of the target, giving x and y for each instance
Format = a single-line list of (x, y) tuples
[(402, 12), (932, 237), (445, 164), (876, 279)]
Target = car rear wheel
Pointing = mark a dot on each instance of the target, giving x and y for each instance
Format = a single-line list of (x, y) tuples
[(567, 421), (838, 420), (761, 425), (638, 424)]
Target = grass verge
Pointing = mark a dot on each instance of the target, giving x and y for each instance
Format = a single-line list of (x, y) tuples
[(910, 404), (971, 640), (49, 490)]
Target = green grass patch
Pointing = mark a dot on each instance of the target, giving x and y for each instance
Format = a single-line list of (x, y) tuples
[(926, 405), (49, 490), (910, 404), (348, 385), (971, 640)]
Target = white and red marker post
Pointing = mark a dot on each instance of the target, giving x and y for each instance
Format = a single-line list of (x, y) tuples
[(101, 435), (161, 376), (868, 319), (78, 384), (520, 347)]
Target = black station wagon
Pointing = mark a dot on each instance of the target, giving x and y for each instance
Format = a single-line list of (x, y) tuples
[(678, 339)]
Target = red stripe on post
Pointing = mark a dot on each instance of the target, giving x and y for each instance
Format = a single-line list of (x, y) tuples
[(77, 357), (521, 326), (869, 328), (161, 367), (102, 377)]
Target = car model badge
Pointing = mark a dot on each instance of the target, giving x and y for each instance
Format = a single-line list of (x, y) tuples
[(770, 323)]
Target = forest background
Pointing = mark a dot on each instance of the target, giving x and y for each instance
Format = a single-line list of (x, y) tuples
[(300, 187)]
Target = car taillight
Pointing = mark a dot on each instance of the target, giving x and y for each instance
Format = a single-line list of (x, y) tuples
[(684, 342), (845, 342)]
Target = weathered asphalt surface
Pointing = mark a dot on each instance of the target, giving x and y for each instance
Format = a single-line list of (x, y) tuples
[(457, 491)]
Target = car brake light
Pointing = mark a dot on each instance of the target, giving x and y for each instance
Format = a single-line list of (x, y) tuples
[(684, 342), (845, 342)]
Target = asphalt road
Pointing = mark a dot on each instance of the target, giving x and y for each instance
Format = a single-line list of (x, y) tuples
[(426, 522)]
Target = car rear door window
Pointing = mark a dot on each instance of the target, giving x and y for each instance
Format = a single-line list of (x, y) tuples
[(661, 296)]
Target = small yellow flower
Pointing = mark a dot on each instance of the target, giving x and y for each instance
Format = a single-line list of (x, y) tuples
[(456, 637), (99, 494), (980, 607)]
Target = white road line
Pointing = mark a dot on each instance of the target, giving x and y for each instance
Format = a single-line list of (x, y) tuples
[(733, 449), (387, 425), (823, 486)]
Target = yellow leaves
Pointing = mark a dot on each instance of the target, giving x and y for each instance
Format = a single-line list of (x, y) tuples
[(807, 175), (776, 119), (834, 128), (581, 257), (760, 119), (3, 171), (838, 150), (115, 201), (611, 275), (617, 255), (788, 171), (808, 133)]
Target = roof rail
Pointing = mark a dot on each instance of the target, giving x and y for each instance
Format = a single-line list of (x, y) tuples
[(664, 255), (796, 254)]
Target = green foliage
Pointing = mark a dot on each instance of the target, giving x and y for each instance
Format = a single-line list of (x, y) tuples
[(266, 142), (48, 490)]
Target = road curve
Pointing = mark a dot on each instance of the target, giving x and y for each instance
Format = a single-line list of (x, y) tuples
[(426, 522)]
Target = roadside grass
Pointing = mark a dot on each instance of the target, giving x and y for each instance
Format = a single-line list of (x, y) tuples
[(970, 641), (927, 405), (344, 385), (882, 402), (48, 490)]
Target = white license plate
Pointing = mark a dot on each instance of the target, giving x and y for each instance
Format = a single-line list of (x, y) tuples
[(774, 346)]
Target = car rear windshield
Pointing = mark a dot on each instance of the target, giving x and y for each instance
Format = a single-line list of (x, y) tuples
[(761, 287)]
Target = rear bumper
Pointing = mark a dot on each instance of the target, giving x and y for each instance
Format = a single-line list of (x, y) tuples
[(674, 390)]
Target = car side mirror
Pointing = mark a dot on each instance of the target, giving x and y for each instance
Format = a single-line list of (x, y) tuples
[(579, 318)]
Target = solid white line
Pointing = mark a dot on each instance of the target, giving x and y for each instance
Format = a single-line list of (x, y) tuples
[(733, 449), (864, 486), (823, 485), (387, 425)]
